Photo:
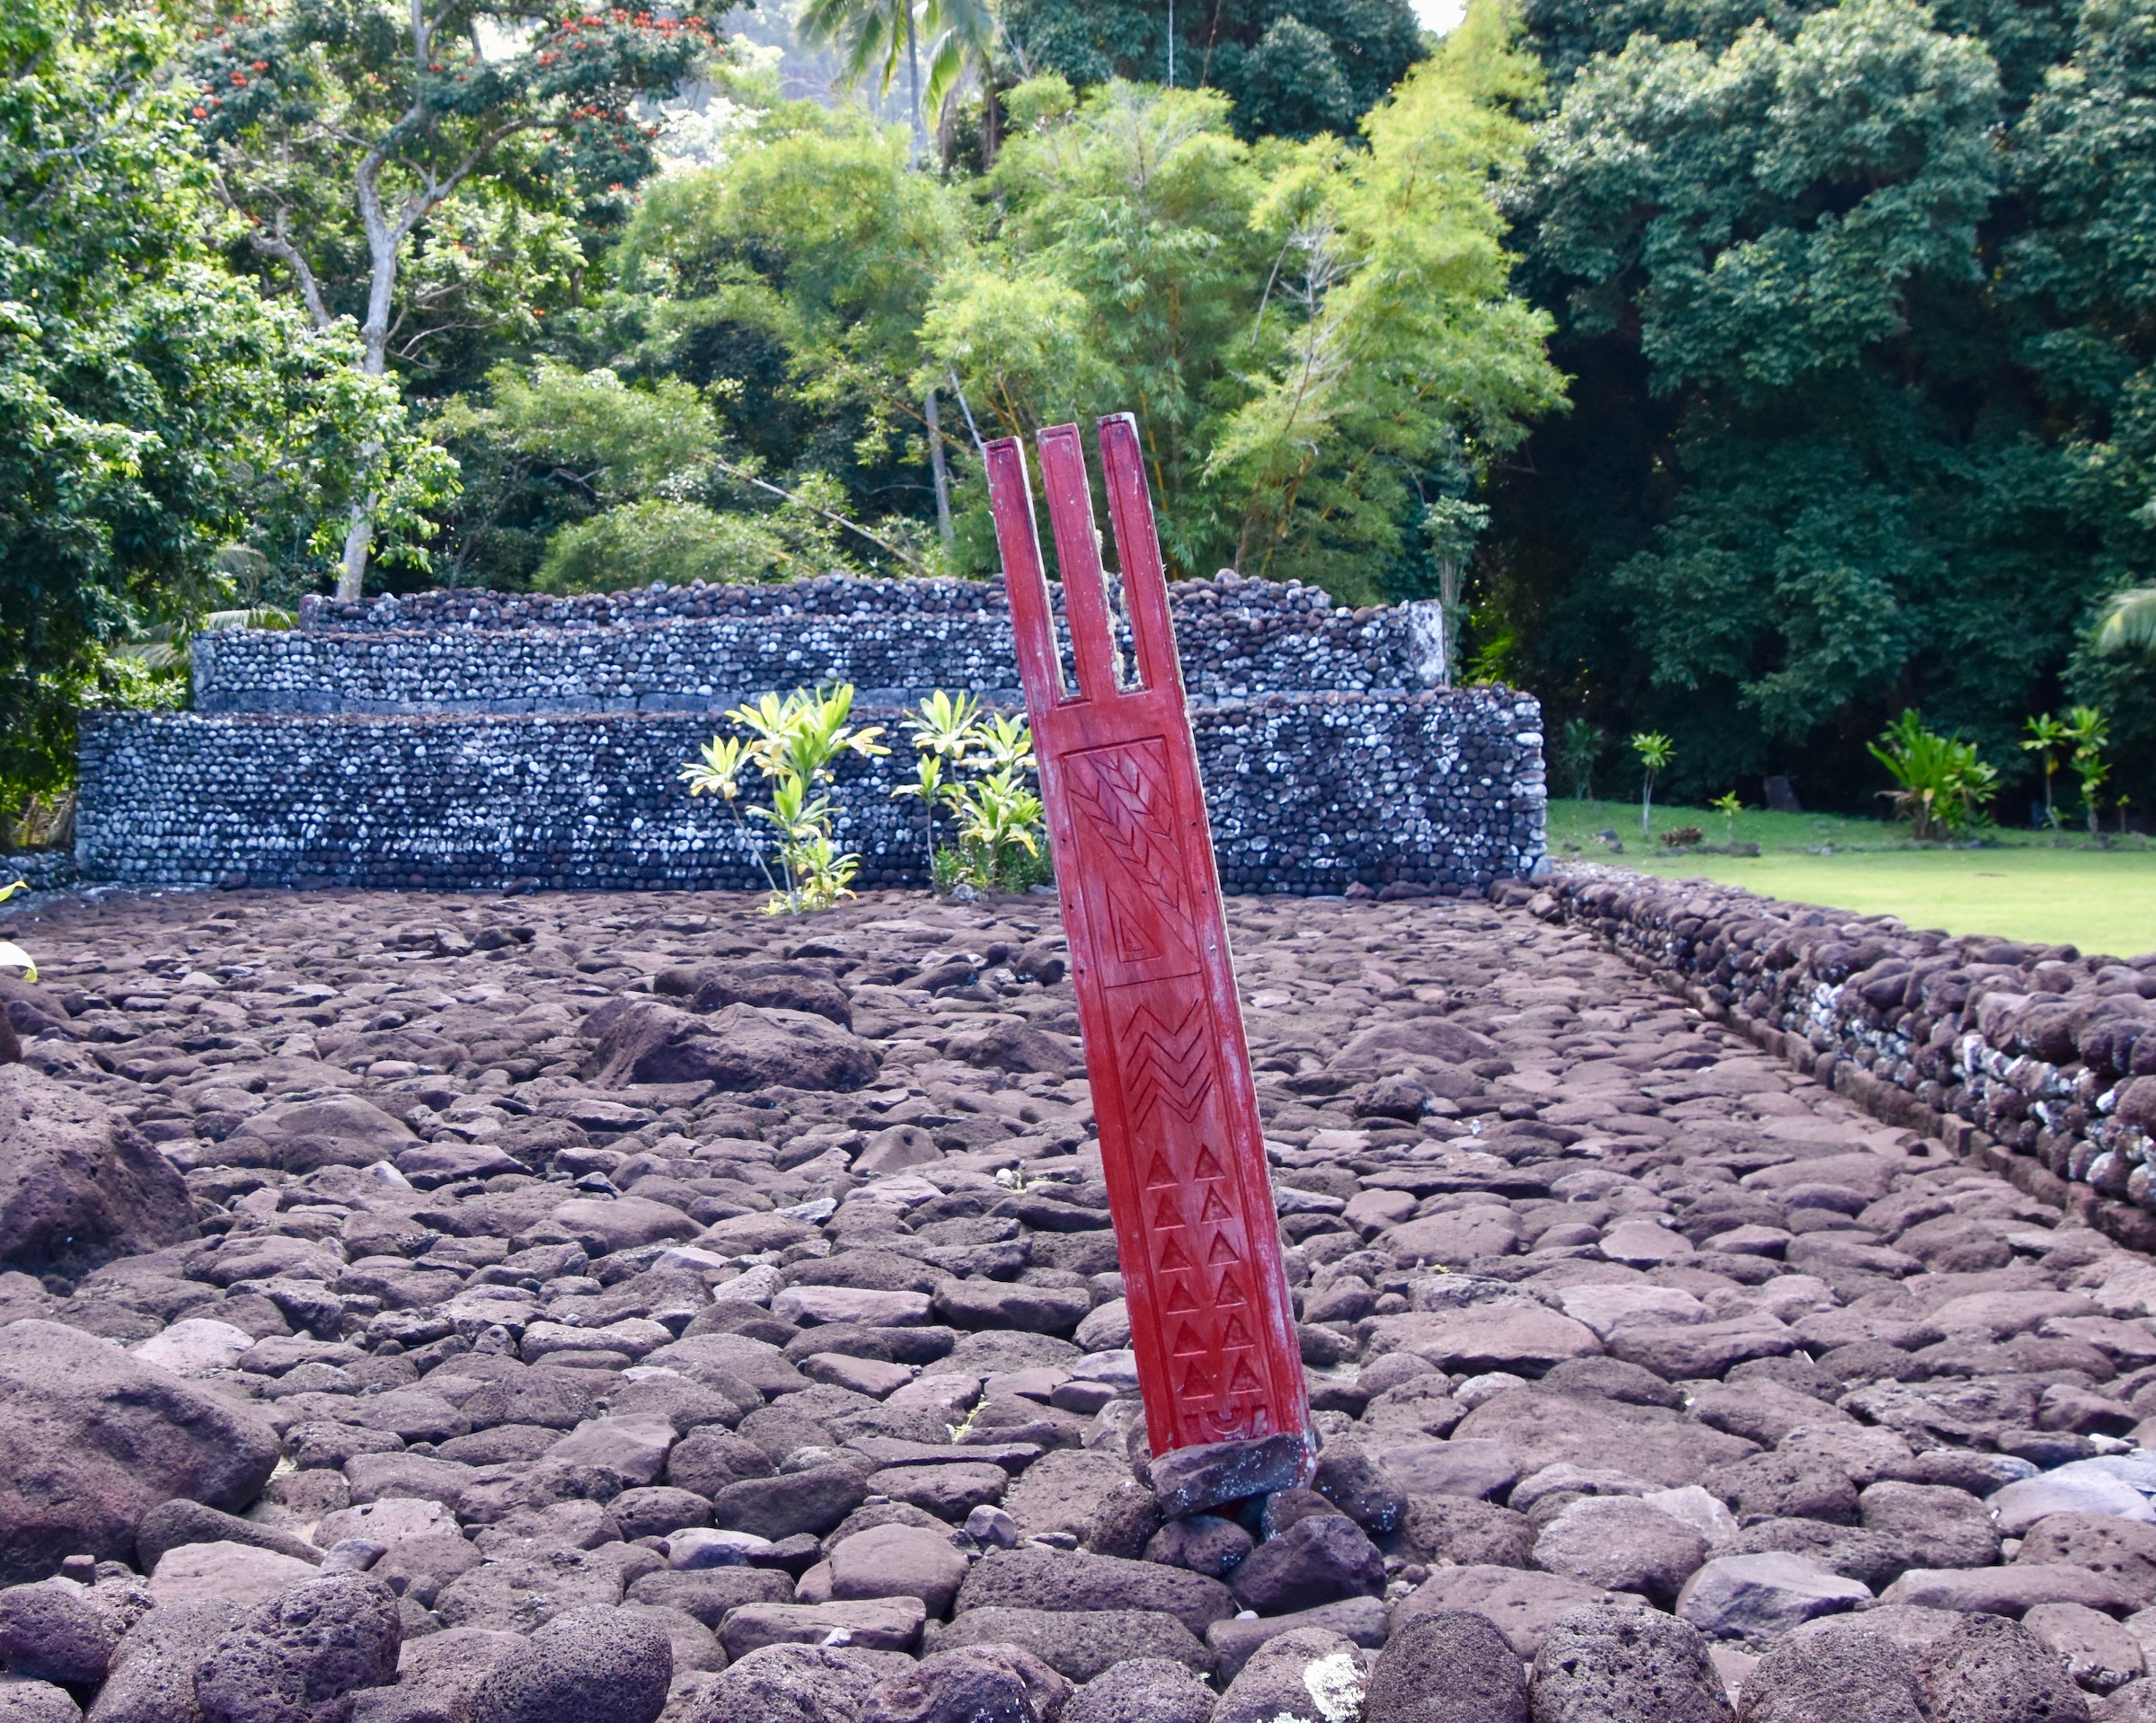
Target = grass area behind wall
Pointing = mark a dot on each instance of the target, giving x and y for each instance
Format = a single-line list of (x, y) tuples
[(2051, 887)]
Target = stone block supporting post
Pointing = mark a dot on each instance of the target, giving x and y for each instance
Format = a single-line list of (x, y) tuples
[(1211, 1321)]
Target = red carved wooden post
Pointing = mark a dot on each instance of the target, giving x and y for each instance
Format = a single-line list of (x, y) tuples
[(1210, 1319)]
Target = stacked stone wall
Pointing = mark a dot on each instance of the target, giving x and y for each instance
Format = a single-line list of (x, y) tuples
[(707, 647), (2035, 1058), (1436, 792)]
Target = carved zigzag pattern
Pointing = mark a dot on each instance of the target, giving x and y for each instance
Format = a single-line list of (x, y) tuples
[(1121, 802), (1169, 1067)]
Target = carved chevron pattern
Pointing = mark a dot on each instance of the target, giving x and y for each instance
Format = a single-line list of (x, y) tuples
[(1121, 802), (1168, 1068)]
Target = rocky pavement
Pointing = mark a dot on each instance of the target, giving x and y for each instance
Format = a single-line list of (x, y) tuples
[(460, 1309)]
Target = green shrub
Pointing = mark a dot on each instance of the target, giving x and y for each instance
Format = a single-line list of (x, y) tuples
[(796, 744), (1942, 784), (655, 540), (998, 814)]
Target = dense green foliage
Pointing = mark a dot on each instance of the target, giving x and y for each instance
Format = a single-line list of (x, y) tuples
[(153, 407), (1288, 71), (1319, 340), (1741, 374), (1856, 299)]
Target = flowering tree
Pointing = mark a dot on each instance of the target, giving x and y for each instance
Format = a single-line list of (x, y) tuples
[(342, 130)]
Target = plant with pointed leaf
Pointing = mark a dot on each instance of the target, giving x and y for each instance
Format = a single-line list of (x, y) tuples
[(796, 741), (2090, 734), (1006, 743), (999, 821), (1656, 751), (1728, 807), (2129, 621), (1942, 783), (2045, 737)]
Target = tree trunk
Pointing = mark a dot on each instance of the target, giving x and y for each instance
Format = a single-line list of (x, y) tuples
[(936, 465), (382, 244), (913, 81)]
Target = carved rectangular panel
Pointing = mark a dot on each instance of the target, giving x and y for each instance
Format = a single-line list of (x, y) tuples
[(1211, 1321)]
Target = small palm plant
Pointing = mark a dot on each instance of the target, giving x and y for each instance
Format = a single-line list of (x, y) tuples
[(997, 815), (2089, 732), (1656, 751), (2044, 737), (796, 743), (1942, 783), (1728, 807), (1577, 745), (943, 728)]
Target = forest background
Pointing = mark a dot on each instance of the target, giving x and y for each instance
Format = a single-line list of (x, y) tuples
[(1742, 372)]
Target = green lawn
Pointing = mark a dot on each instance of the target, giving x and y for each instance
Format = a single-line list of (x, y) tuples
[(2021, 885)]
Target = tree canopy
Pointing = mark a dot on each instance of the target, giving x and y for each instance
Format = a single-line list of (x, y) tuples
[(1741, 373), (1855, 301)]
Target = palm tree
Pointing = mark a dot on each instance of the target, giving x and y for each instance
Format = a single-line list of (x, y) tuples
[(2129, 620), (872, 35)]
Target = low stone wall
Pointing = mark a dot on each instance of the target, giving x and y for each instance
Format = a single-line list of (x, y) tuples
[(2038, 1060), (703, 648), (1439, 792)]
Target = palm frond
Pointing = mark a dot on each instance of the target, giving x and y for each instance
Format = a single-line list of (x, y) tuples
[(2129, 621)]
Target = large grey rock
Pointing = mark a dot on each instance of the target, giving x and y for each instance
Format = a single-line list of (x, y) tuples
[(296, 1657), (1942, 1527), (435, 1676), (585, 1666), (2100, 1655), (56, 1632), (2123, 1550), (243, 1572), (152, 1678), (24, 1700), (1621, 1542), (1360, 1620), (1524, 1606), (984, 1683), (1314, 1561), (1853, 1677), (304, 1136), (90, 1440), (1991, 1670), (877, 1623), (1601, 1664), (1306, 1676), (170, 1525), (1206, 1475), (741, 1047), (1076, 1643), (1050, 1579), (78, 1184), (796, 1683), (1759, 1597), (521, 1593), (897, 1561), (1141, 1690), (1538, 1429), (813, 1501), (1447, 1666)]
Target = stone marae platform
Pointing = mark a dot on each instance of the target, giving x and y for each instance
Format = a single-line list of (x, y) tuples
[(611, 1307)]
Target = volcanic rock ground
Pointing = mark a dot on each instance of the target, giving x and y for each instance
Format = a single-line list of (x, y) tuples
[(589, 1305)]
